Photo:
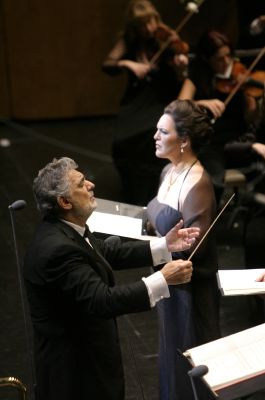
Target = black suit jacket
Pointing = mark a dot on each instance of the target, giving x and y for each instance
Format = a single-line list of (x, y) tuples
[(73, 303)]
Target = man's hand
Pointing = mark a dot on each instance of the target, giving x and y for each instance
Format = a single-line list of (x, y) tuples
[(177, 272), (178, 239)]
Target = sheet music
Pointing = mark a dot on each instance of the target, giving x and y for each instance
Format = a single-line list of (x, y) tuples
[(233, 358), (115, 224), (240, 281), (115, 218)]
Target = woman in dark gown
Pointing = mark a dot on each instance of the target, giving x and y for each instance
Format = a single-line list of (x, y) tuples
[(150, 87), (190, 316)]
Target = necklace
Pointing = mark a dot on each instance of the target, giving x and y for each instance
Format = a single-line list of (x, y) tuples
[(173, 177)]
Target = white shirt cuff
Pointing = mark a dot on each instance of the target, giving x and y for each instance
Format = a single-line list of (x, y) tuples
[(157, 287), (160, 253)]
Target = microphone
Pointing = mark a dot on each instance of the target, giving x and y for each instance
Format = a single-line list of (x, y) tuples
[(197, 372), (18, 205)]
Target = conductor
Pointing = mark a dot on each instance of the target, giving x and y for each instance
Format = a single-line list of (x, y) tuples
[(71, 289)]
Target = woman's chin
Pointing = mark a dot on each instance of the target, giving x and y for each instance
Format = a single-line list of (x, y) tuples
[(159, 154)]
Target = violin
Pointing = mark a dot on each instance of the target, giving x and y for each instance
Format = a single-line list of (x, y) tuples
[(181, 47), (165, 34), (256, 84), (252, 84)]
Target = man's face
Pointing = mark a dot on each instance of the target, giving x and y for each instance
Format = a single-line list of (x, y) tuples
[(81, 196)]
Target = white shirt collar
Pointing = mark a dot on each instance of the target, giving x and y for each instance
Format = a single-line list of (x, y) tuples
[(77, 228)]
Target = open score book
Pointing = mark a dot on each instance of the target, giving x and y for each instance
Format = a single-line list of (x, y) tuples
[(240, 281), (236, 363)]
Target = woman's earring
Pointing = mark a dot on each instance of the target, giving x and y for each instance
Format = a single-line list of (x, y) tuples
[(182, 149)]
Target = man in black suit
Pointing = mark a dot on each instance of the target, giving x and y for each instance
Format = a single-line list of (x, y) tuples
[(72, 295)]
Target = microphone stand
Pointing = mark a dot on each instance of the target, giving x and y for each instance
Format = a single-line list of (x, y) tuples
[(197, 372), (16, 206)]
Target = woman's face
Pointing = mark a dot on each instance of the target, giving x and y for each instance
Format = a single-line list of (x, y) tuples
[(221, 60), (149, 27), (167, 141)]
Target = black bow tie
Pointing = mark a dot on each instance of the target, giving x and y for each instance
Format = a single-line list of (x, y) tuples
[(87, 232)]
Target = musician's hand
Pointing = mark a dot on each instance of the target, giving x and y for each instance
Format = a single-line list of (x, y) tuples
[(259, 148), (138, 68), (181, 60), (178, 239), (215, 106), (261, 277)]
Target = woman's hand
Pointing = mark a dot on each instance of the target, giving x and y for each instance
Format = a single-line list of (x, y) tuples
[(139, 69), (215, 106), (259, 148), (181, 60)]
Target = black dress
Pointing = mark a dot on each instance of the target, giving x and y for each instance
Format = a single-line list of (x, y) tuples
[(190, 316)]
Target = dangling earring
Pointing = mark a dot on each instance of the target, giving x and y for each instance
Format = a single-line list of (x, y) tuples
[(182, 149)]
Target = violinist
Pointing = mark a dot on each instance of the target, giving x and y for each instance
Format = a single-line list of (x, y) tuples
[(150, 86), (212, 75)]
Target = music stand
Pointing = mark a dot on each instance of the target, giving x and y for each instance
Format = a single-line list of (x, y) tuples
[(197, 388)]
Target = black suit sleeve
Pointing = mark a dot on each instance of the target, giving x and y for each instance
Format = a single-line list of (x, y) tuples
[(81, 282)]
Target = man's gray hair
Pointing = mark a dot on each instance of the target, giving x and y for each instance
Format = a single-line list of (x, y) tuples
[(52, 182)]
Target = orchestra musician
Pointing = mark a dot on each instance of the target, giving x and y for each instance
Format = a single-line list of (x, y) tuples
[(208, 83), (150, 86)]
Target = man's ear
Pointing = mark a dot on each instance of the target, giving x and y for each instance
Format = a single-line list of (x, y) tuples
[(64, 203)]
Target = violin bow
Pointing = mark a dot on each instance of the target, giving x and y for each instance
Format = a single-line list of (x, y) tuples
[(244, 77), (210, 227), (191, 11)]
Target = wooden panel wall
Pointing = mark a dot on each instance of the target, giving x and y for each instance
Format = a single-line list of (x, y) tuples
[(51, 53)]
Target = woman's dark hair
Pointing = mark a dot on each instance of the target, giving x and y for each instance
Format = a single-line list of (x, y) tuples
[(191, 120), (138, 13), (210, 42)]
